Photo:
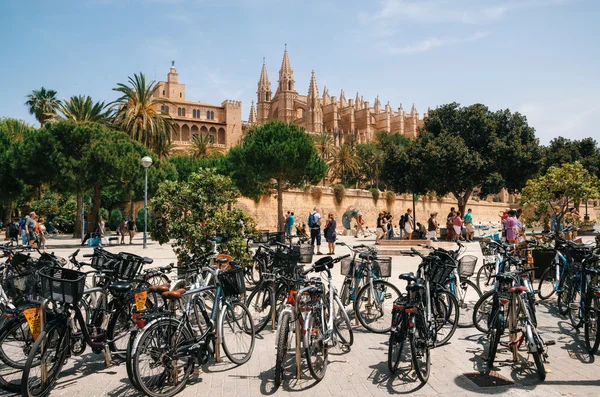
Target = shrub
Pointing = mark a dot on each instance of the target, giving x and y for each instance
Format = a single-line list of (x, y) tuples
[(114, 219), (390, 197), (374, 193), (339, 191), (316, 193), (139, 220)]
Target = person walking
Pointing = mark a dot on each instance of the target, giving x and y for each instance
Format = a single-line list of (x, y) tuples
[(390, 224), (512, 227), (41, 231), (469, 226), (122, 229), (457, 222), (450, 225), (132, 229), (432, 227), (285, 223), (289, 223), (409, 225), (359, 225), (385, 225), (30, 226), (402, 225), (314, 223), (379, 228), (23, 231), (330, 234)]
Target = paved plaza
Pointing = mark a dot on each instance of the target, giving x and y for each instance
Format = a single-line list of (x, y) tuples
[(363, 370)]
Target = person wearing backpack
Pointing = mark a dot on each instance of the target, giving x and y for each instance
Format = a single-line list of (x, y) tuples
[(314, 223), (402, 225)]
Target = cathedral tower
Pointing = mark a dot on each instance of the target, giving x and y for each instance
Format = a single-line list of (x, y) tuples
[(263, 103), (286, 93), (314, 112)]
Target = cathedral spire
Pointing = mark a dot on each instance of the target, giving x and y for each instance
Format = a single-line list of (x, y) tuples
[(377, 104), (342, 99), (326, 97), (286, 74), (313, 92), (357, 101), (263, 81), (413, 111), (252, 118)]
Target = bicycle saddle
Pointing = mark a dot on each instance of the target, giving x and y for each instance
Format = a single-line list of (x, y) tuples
[(119, 287), (160, 288), (415, 287), (518, 288), (148, 260), (174, 294), (324, 263), (408, 277)]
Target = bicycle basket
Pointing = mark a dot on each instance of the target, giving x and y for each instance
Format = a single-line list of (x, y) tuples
[(128, 266), (466, 266), (103, 259), (439, 273), (304, 252), (62, 285), (22, 264), (233, 282), (383, 266), (347, 266)]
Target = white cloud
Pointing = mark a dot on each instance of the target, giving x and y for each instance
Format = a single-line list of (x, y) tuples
[(574, 119), (428, 44)]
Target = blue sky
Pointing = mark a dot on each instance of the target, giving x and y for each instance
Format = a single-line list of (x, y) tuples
[(539, 57)]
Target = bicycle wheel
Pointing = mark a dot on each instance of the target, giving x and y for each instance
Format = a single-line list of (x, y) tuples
[(373, 307), (564, 296), (396, 343), (119, 326), (237, 332), (467, 294), (495, 333), (160, 370), (482, 311), (446, 314), (575, 317), (546, 287), (15, 342), (45, 360), (342, 325), (315, 350), (536, 348), (260, 304), (592, 336), (283, 344), (421, 355), (129, 360), (158, 279), (484, 280)]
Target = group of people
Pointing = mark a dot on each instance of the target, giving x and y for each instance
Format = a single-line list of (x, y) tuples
[(31, 230), (455, 223), (315, 223)]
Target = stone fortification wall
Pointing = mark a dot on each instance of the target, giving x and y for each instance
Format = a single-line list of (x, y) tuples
[(302, 202)]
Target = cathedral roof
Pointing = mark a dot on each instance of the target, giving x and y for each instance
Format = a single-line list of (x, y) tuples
[(252, 118), (286, 68)]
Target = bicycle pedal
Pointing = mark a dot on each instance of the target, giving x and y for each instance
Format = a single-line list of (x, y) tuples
[(573, 306), (550, 342)]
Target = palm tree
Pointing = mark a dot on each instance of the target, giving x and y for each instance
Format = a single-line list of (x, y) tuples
[(345, 162), (42, 104), (138, 113), (81, 109), (325, 147), (16, 129), (201, 143)]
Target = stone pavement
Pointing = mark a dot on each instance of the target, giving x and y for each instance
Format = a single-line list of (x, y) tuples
[(362, 371)]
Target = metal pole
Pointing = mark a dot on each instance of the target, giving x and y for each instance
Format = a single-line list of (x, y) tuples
[(414, 214), (82, 219), (145, 207)]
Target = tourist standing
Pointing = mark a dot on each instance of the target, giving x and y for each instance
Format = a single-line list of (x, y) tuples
[(390, 232), (384, 224), (511, 225), (359, 225), (131, 228), (289, 223), (450, 224), (469, 226), (122, 229), (379, 228), (285, 222), (42, 233), (503, 218), (457, 222), (432, 227), (330, 234), (402, 225), (409, 225), (30, 226), (314, 223)]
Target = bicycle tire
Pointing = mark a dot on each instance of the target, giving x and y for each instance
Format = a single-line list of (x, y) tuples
[(564, 296), (546, 287), (446, 314), (236, 325), (162, 331), (482, 310), (282, 347), (129, 360), (592, 324), (119, 320), (313, 346), (417, 351), (367, 320), (466, 301), (495, 333), (11, 364), (537, 357), (483, 279), (575, 307), (60, 331), (343, 326), (396, 344), (260, 304)]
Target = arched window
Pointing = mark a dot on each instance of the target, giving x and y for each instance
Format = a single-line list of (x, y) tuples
[(176, 133), (180, 95), (183, 112), (179, 111), (221, 136), (185, 133), (290, 85), (194, 132), (213, 134), (163, 92)]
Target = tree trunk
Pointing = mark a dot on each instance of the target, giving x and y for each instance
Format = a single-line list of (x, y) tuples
[(462, 200), (8, 218), (132, 209), (279, 207), (78, 223), (96, 206)]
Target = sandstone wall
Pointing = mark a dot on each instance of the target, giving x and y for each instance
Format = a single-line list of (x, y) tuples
[(302, 202)]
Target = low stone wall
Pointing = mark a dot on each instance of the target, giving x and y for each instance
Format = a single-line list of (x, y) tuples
[(302, 202)]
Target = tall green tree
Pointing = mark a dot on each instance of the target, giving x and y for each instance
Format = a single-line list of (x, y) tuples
[(460, 149), (138, 113), (83, 109), (201, 145), (562, 150), (11, 181), (276, 157), (344, 164), (43, 104)]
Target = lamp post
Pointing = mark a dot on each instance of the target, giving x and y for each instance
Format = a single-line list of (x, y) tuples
[(146, 162)]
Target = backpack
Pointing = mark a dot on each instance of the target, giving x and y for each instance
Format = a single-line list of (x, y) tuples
[(403, 220), (311, 220), (13, 230)]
